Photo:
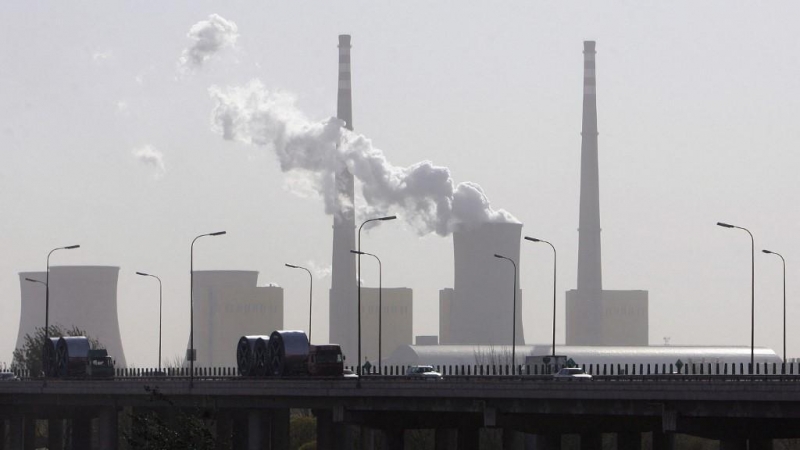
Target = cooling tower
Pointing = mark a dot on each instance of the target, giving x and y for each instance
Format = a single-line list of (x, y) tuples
[(343, 294), (482, 308), (80, 296), (228, 304)]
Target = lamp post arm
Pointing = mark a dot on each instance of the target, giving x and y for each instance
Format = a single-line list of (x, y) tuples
[(752, 297)]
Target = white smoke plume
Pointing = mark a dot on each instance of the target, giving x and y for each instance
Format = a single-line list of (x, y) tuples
[(209, 36), (152, 157), (423, 194)]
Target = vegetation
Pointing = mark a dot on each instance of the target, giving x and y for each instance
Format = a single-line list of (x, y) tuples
[(29, 356)]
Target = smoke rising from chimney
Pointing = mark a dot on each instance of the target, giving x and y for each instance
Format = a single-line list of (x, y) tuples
[(423, 194)]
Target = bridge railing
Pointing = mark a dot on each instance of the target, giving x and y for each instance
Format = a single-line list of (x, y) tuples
[(705, 369)]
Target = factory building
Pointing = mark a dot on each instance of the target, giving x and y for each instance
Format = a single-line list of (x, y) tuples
[(480, 307), (229, 304), (396, 323), (595, 316), (80, 296)]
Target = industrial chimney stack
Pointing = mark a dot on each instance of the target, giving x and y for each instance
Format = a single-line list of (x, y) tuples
[(589, 302), (343, 295)]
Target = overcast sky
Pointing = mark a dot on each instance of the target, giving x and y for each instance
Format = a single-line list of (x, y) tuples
[(108, 140)]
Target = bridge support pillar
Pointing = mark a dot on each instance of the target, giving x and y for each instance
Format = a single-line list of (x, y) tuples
[(2, 434), (367, 438), (55, 434), (664, 441), (446, 439), (733, 444), (513, 440), (16, 431), (224, 430), (591, 441), (543, 442), (81, 431), (629, 441), (760, 444), (108, 428), (395, 438), (279, 435), (325, 437), (468, 438), (239, 432), (257, 433), (29, 441)]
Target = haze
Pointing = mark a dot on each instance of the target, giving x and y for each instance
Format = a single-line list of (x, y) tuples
[(108, 141)]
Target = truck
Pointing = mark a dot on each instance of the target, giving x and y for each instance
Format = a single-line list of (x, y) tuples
[(553, 363), (99, 364)]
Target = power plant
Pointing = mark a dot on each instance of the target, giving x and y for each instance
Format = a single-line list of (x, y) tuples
[(227, 305), (80, 296), (480, 307), (596, 316), (344, 290)]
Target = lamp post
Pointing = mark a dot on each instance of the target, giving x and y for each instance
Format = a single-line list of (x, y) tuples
[(310, 295), (380, 307), (358, 366), (191, 353), (159, 313), (555, 261), (784, 301), (514, 323), (752, 292), (47, 297)]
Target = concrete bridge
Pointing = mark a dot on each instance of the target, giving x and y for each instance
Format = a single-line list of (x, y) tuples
[(254, 413)]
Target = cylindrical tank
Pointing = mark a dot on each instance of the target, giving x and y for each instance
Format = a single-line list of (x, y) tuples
[(482, 311), (251, 355), (72, 353), (288, 353)]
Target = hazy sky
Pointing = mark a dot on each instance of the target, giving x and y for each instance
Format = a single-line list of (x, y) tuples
[(107, 140)]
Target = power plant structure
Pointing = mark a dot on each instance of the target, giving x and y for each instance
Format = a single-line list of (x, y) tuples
[(397, 302), (480, 307), (344, 290), (227, 305), (595, 316), (80, 296)]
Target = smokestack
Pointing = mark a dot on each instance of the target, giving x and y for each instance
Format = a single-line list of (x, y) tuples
[(590, 285), (343, 295)]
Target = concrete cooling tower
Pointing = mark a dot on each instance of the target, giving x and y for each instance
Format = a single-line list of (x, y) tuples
[(80, 296), (481, 310), (228, 304)]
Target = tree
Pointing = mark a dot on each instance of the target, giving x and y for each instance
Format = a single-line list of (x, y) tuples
[(29, 356)]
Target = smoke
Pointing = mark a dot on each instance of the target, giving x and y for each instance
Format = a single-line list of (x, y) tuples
[(152, 157), (423, 194), (209, 36)]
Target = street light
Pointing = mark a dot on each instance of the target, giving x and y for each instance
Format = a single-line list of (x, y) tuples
[(159, 313), (784, 301), (752, 292), (380, 307), (358, 366), (47, 298), (514, 323), (191, 353), (555, 260), (310, 295)]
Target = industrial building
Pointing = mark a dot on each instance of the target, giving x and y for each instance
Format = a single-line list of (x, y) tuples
[(480, 307), (595, 316), (229, 304), (396, 323), (397, 302), (80, 296)]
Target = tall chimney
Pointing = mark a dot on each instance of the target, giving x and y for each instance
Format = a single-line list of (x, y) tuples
[(343, 295), (590, 285)]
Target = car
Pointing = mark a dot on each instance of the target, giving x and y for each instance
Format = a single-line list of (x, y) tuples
[(424, 372), (8, 376), (572, 373), (347, 373)]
